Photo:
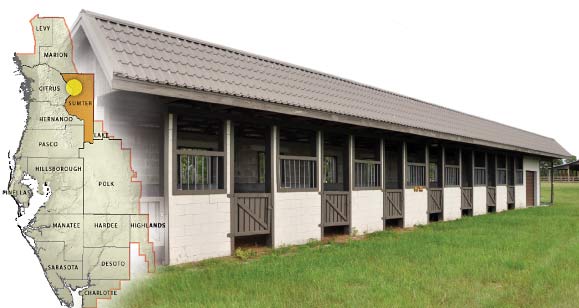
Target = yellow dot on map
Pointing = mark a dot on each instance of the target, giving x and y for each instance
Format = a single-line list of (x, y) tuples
[(74, 87)]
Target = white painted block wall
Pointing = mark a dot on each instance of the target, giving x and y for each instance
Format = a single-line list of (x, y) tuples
[(520, 196), (479, 206), (532, 164), (502, 198), (198, 227), (367, 211), (415, 208), (452, 203), (297, 217)]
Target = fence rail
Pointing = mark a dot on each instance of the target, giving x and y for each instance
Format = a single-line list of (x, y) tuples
[(297, 172), (560, 179)]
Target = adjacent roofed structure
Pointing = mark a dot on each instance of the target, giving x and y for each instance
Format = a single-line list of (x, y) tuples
[(143, 59)]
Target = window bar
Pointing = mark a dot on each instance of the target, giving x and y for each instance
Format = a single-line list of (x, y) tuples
[(301, 182), (217, 173), (189, 169), (195, 176), (209, 166), (181, 171)]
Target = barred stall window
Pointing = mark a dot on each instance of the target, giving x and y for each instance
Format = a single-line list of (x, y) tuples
[(501, 169), (367, 173), (452, 176), (199, 172), (298, 172), (435, 166), (416, 166), (199, 155), (452, 167), (433, 172), (336, 149), (330, 169), (518, 171), (480, 169), (394, 167), (510, 170), (491, 174), (297, 159), (367, 166)]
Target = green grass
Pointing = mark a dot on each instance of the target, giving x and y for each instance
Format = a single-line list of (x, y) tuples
[(518, 258)]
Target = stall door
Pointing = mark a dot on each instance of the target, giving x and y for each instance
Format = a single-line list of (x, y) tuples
[(530, 188)]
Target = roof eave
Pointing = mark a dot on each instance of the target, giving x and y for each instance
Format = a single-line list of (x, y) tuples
[(141, 86)]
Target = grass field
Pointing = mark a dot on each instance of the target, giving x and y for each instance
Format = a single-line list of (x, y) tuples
[(518, 258)]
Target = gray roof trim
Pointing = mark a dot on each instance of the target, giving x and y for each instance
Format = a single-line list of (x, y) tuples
[(257, 78)]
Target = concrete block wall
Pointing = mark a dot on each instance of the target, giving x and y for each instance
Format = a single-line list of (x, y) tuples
[(452, 203), (367, 211), (479, 200), (532, 164), (502, 198), (520, 196), (138, 119), (297, 217), (415, 208), (198, 227)]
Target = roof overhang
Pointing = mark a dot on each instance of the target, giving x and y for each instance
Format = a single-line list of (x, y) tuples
[(131, 85)]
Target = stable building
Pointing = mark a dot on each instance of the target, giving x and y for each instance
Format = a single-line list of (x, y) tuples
[(235, 148), (568, 172)]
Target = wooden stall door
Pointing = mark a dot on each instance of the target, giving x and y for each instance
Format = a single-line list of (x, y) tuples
[(335, 209)]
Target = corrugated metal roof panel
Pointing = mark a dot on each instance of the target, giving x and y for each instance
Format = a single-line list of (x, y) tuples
[(151, 55)]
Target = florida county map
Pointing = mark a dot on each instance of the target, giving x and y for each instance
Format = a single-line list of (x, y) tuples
[(89, 210)]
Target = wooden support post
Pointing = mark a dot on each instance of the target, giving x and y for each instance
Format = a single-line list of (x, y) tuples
[(496, 171), (552, 184), (320, 160), (427, 166), (472, 164), (230, 180), (351, 183), (443, 167), (404, 163), (487, 168), (382, 163), (460, 167), (168, 179), (274, 174), (351, 158)]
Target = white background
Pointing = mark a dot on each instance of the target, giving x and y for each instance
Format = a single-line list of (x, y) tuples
[(515, 62)]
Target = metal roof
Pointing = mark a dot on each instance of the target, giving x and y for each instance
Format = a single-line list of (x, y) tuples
[(136, 52)]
